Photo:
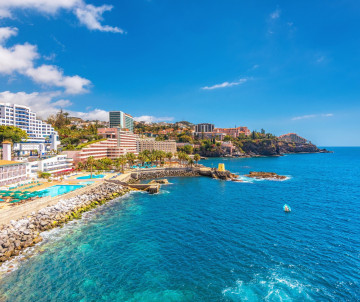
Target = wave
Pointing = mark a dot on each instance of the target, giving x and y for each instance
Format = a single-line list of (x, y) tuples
[(245, 179), (275, 287)]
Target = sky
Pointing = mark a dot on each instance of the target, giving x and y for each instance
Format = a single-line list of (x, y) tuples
[(285, 66)]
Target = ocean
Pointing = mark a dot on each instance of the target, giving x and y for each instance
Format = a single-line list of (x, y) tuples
[(202, 239)]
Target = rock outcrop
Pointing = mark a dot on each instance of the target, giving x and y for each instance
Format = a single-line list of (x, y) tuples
[(265, 175)]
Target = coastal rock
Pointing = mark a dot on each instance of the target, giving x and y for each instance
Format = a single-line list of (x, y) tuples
[(265, 175), (24, 232)]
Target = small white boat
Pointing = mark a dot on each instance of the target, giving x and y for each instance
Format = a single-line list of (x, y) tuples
[(287, 208)]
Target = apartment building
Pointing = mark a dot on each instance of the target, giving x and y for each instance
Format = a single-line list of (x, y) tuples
[(12, 172), (234, 132), (151, 144), (24, 118), (120, 143), (204, 127), (122, 120)]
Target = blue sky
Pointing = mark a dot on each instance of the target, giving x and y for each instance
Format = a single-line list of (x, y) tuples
[(285, 66)]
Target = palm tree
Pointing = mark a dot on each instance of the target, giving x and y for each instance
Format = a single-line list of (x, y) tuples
[(169, 156), (190, 162), (142, 157), (130, 158), (90, 162), (120, 161), (197, 157)]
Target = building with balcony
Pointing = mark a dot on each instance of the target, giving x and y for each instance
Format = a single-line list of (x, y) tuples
[(12, 172), (22, 117), (118, 142), (234, 132), (151, 144), (122, 120), (203, 128), (55, 165)]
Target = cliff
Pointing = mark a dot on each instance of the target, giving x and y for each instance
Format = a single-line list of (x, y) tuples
[(271, 147), (264, 147)]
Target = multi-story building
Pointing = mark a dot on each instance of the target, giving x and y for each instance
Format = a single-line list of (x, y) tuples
[(151, 144), (22, 117), (119, 143), (293, 138), (12, 172), (204, 127), (234, 132), (54, 165), (122, 120)]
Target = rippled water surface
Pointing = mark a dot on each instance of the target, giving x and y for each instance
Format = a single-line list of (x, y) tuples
[(208, 240)]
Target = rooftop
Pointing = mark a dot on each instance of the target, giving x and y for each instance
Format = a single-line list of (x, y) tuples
[(9, 162)]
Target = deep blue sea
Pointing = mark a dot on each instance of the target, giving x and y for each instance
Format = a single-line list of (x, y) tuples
[(208, 240)]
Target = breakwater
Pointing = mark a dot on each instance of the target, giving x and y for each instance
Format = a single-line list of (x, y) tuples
[(24, 232), (165, 172)]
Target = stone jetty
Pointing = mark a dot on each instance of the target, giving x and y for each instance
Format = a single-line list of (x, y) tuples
[(25, 232), (265, 175)]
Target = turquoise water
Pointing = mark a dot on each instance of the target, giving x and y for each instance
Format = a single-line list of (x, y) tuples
[(59, 190), (86, 182), (208, 240), (88, 176)]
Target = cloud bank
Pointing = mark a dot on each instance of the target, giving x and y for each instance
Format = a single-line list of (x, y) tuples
[(20, 59), (153, 119), (48, 103), (87, 14)]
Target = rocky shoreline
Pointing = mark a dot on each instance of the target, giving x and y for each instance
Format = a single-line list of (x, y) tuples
[(25, 232)]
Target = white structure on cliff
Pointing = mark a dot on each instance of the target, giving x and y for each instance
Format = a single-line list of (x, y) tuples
[(22, 117)]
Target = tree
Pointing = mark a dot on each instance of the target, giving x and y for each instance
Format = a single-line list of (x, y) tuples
[(90, 163), (130, 158), (190, 162), (188, 149), (120, 161), (197, 157), (169, 156), (143, 157), (12, 133)]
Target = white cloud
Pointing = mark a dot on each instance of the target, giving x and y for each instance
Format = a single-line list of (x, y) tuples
[(153, 119), (45, 104), (275, 14), (20, 58), (52, 76), (225, 84), (7, 32), (310, 116), (88, 15), (41, 103), (96, 114)]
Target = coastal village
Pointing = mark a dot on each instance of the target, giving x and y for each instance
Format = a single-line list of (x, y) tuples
[(51, 171)]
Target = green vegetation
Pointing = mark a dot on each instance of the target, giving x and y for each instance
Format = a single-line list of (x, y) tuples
[(74, 137), (12, 133), (44, 175)]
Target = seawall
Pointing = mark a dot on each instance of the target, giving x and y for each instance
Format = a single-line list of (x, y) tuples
[(24, 232)]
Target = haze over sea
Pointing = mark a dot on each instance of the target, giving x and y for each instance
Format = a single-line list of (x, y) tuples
[(208, 240)]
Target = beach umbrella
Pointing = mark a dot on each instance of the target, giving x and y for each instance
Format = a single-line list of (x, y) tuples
[(14, 201), (6, 194)]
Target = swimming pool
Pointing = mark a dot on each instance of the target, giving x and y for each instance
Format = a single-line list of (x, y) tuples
[(86, 182), (59, 190), (94, 176)]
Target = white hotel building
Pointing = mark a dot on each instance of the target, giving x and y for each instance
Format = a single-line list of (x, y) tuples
[(22, 117)]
